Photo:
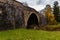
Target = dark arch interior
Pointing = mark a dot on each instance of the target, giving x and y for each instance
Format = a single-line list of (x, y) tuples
[(33, 20)]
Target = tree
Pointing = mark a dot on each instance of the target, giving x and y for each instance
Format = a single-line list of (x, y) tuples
[(56, 11), (49, 15)]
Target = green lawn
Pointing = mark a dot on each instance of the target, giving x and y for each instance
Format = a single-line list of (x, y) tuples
[(24, 34)]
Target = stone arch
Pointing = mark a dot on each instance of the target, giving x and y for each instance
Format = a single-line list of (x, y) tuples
[(32, 20)]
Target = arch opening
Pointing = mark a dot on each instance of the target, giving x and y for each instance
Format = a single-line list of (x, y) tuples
[(32, 21)]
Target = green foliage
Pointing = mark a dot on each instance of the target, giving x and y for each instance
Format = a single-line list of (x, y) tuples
[(56, 3), (56, 11)]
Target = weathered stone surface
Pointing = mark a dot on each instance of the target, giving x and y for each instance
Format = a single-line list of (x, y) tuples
[(14, 14)]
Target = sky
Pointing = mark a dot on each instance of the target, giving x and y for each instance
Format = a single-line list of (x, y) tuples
[(38, 4)]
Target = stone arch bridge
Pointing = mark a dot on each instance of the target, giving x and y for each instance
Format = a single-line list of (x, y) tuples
[(14, 14)]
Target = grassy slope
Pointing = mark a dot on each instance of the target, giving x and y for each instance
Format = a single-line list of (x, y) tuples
[(24, 34)]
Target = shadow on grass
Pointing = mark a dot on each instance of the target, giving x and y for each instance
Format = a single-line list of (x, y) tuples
[(45, 28), (50, 28)]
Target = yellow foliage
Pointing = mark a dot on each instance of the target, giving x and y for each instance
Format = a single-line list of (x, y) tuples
[(50, 16)]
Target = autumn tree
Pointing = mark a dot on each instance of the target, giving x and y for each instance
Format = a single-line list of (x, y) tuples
[(56, 11), (49, 15)]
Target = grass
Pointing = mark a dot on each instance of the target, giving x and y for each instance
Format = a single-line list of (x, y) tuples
[(24, 34), (56, 25)]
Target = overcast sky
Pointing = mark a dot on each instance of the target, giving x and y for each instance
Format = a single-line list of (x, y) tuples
[(39, 4)]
